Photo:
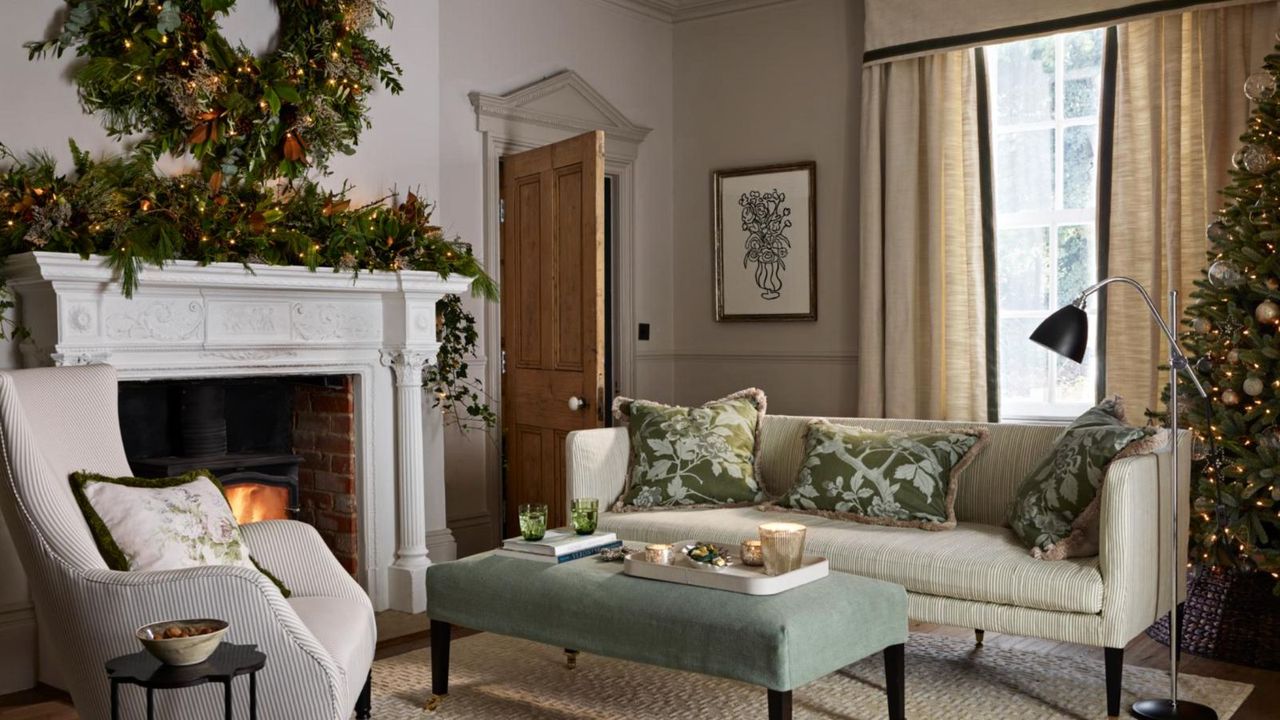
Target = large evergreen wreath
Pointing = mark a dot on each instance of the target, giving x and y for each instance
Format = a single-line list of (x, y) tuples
[(164, 69)]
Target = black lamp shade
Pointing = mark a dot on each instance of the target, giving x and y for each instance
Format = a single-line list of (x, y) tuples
[(1065, 332)]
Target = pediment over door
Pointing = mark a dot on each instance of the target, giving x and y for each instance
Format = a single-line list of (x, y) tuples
[(563, 103)]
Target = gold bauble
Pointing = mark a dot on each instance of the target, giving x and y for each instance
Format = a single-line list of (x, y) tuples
[(1273, 284), (1201, 325), (1267, 312), (1253, 385), (1230, 397), (1233, 356)]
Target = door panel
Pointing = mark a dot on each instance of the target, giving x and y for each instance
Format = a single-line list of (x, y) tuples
[(552, 314)]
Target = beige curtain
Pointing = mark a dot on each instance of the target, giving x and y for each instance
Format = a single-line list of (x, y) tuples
[(1179, 111), (922, 341)]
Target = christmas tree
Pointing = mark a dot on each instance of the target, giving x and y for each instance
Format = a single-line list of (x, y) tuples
[(1234, 334)]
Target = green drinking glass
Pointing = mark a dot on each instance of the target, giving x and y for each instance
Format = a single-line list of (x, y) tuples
[(533, 521), (585, 512)]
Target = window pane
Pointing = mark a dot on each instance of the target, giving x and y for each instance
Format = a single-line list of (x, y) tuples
[(1024, 365), (1026, 71), (1077, 381), (1075, 261), (1024, 171), (1081, 99), (1022, 268), (1078, 172), (1082, 51)]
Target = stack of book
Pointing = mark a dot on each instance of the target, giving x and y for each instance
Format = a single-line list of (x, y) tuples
[(559, 546)]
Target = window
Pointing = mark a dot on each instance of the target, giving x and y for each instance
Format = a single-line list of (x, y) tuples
[(1045, 102)]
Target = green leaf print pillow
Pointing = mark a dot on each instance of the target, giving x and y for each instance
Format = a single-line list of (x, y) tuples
[(1055, 512), (883, 477), (692, 457)]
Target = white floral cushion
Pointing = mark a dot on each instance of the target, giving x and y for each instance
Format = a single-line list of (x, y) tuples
[(160, 524)]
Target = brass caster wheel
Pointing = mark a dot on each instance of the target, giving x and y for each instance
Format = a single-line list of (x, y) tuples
[(571, 659), (434, 703), (978, 635)]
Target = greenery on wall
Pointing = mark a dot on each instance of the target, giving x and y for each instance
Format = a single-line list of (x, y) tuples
[(260, 130)]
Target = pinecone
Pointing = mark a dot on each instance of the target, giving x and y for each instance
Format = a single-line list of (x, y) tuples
[(359, 59)]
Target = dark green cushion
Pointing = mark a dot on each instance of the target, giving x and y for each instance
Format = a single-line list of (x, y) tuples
[(883, 477), (692, 457), (116, 558), (779, 641), (1061, 494)]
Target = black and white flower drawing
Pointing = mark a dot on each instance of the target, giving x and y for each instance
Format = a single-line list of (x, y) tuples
[(765, 219)]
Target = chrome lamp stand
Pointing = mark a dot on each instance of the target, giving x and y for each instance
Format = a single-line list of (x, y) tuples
[(1066, 332)]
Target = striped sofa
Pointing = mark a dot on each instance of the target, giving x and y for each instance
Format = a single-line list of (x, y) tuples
[(319, 643), (977, 575)]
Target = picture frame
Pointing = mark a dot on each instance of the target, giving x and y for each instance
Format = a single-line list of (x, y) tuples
[(764, 229)]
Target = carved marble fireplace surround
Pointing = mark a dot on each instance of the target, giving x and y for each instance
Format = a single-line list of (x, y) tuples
[(187, 321)]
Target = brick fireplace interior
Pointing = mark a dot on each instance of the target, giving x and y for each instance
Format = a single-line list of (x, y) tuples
[(284, 447)]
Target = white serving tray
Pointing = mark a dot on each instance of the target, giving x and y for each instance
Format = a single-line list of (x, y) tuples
[(737, 578)]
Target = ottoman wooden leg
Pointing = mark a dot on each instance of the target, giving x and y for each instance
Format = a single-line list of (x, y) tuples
[(895, 680), (441, 634), (779, 705)]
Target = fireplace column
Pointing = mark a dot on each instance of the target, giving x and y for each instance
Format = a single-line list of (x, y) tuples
[(407, 576)]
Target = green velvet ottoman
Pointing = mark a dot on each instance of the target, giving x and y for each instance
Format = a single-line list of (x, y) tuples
[(779, 641)]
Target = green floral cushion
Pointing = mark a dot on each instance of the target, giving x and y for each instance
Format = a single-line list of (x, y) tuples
[(1055, 511), (143, 524), (692, 457), (883, 477)]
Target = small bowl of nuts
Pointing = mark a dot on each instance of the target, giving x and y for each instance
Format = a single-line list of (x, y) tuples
[(182, 642)]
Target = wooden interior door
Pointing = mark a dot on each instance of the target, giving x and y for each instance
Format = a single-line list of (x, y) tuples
[(552, 316)]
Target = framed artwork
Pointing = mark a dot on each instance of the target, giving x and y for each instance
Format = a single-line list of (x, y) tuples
[(765, 229)]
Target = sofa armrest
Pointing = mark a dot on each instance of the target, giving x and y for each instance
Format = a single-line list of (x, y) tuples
[(1134, 543), (596, 462)]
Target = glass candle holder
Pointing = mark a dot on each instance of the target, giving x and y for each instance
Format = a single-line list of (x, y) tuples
[(533, 521), (585, 513), (660, 554), (782, 547), (751, 553)]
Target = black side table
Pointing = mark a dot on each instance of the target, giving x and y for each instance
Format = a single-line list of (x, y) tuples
[(228, 661)]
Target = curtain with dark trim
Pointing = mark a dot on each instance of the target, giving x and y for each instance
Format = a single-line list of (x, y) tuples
[(922, 335)]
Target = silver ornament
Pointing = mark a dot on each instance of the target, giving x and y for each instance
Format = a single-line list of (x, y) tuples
[(1233, 356), (1230, 397), (1218, 232), (1260, 86), (1253, 385), (1237, 159), (1258, 158), (1201, 325), (1267, 312), (1270, 437), (1222, 274)]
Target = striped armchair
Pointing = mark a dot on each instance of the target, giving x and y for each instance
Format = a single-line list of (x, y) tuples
[(319, 643)]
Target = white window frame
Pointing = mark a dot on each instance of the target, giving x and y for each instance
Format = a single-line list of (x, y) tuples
[(1051, 411)]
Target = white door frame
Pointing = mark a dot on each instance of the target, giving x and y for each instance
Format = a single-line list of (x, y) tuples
[(553, 109)]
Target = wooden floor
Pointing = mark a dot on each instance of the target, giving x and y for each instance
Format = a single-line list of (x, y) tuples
[(1263, 704)]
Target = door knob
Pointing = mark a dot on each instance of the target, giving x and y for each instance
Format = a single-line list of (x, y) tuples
[(576, 403)]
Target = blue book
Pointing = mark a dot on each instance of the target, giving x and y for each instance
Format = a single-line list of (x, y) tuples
[(557, 559)]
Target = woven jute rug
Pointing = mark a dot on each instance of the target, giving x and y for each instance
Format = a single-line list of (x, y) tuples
[(491, 676)]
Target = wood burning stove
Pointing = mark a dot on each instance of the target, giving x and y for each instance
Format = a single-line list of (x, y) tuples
[(254, 463)]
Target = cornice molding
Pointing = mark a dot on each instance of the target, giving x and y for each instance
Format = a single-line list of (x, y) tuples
[(678, 11)]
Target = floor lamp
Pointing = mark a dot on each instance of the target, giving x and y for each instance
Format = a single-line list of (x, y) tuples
[(1066, 332)]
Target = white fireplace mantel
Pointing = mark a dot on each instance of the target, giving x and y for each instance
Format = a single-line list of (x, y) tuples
[(187, 321)]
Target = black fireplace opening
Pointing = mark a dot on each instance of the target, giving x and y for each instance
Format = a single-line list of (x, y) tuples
[(240, 429)]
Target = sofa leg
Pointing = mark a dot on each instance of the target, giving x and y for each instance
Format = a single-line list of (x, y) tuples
[(1115, 671), (978, 636), (364, 704), (441, 635)]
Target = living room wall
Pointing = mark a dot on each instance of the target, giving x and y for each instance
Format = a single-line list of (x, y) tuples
[(777, 84)]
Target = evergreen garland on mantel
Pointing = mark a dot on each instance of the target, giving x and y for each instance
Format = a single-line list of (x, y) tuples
[(258, 129)]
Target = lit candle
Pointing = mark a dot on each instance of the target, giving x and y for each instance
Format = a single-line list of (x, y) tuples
[(660, 554), (782, 546), (752, 553)]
